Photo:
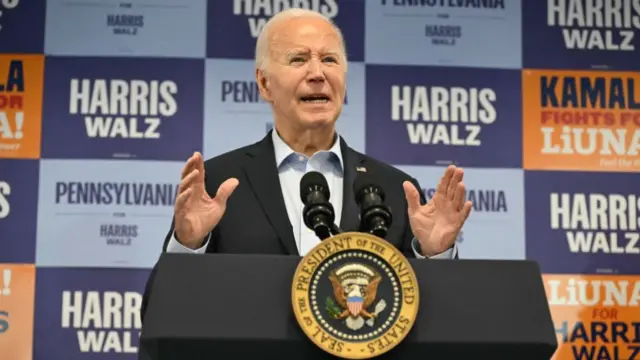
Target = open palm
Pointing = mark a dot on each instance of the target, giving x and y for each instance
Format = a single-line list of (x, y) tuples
[(195, 212), (199, 213), (437, 223)]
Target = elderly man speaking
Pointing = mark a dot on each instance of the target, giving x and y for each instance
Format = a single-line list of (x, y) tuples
[(248, 200)]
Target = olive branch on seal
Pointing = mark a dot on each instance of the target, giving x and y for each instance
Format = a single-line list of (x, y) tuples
[(332, 308)]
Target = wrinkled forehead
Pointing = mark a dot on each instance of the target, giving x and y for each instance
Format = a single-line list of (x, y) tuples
[(305, 36)]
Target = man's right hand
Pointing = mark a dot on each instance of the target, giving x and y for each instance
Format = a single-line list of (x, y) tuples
[(196, 213)]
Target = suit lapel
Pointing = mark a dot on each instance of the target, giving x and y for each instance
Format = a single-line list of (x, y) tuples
[(262, 174), (350, 211)]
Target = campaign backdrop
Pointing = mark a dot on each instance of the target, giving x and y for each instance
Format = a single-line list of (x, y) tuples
[(101, 103)]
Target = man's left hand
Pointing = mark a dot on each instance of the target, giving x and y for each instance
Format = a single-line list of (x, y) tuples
[(437, 223)]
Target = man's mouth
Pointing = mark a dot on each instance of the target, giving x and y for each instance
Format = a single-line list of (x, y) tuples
[(315, 99)]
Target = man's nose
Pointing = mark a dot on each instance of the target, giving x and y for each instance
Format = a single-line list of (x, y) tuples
[(316, 72)]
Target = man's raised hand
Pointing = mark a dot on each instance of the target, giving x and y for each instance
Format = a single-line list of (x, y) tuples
[(196, 213)]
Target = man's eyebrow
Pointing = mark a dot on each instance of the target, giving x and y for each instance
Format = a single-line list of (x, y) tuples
[(297, 52)]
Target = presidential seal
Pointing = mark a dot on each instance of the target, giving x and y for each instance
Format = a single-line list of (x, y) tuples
[(355, 296)]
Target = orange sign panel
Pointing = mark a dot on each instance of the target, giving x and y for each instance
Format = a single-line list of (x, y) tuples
[(581, 120), (595, 316), (17, 291), (21, 84)]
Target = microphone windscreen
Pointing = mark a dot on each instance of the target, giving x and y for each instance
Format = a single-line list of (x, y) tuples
[(313, 181), (362, 183)]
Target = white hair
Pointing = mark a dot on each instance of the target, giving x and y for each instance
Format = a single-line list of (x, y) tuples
[(263, 42)]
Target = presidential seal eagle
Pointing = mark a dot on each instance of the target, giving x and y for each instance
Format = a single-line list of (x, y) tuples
[(355, 287)]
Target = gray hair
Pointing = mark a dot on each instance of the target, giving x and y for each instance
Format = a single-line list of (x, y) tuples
[(263, 41)]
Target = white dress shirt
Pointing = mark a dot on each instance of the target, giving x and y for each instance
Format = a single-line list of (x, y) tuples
[(291, 167)]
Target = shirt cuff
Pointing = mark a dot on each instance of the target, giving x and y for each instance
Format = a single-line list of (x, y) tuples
[(447, 255), (174, 246)]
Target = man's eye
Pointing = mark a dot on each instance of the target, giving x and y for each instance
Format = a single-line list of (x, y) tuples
[(330, 59)]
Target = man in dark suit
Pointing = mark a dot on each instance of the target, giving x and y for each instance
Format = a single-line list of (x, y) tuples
[(247, 200)]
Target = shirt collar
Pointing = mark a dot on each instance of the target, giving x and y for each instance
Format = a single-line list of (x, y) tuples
[(283, 151)]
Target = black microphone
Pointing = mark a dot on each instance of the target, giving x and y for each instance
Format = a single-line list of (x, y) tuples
[(375, 216), (318, 213)]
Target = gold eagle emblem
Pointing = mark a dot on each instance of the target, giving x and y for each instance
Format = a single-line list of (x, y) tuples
[(355, 287)]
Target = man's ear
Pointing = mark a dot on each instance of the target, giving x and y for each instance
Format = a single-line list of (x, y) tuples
[(263, 85)]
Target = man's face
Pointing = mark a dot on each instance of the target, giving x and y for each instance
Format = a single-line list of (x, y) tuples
[(305, 77)]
